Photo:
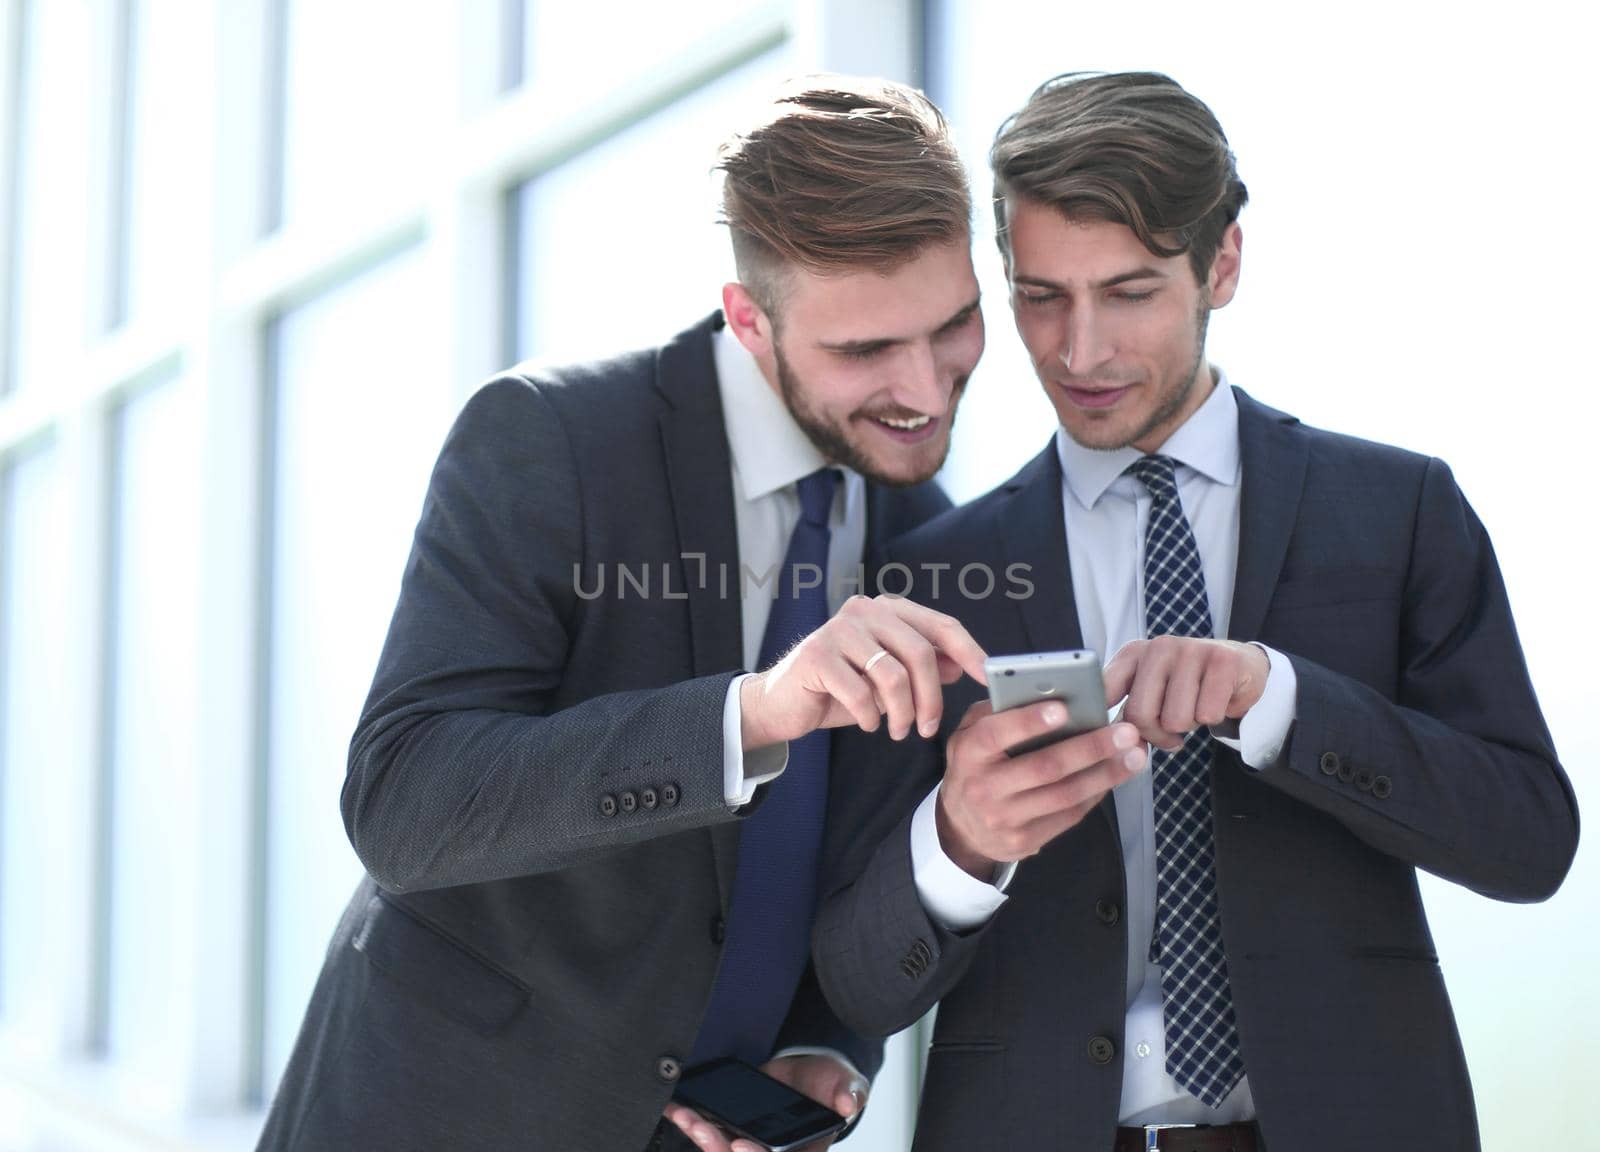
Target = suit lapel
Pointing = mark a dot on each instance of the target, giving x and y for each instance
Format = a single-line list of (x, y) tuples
[(699, 477), (1035, 534), (1272, 450), (1035, 537)]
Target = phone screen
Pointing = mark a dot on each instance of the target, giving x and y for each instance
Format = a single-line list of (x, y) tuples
[(755, 1105)]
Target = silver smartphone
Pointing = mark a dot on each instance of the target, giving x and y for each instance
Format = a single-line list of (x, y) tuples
[(1072, 677)]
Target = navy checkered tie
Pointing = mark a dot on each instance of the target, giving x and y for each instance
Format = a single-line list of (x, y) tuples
[(1202, 1037), (775, 883)]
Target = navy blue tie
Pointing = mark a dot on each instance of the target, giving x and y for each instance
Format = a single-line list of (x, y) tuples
[(775, 885)]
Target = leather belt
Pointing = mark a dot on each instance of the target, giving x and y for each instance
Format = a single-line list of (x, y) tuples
[(1189, 1138)]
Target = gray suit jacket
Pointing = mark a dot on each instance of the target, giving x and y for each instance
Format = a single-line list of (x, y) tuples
[(1418, 743), (535, 785)]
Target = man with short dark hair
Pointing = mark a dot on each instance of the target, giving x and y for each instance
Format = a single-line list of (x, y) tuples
[(592, 839), (1313, 637)]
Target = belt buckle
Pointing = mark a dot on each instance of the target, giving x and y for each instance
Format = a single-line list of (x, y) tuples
[(1152, 1134)]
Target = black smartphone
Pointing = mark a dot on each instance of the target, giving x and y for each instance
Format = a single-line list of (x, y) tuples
[(748, 1103)]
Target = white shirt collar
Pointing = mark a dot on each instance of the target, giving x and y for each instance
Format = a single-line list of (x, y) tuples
[(1207, 442), (769, 449)]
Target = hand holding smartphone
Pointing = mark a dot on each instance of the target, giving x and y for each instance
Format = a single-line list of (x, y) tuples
[(749, 1104), (1073, 677)]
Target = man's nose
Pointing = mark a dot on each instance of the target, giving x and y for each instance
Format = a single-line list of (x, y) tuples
[(1084, 346), (920, 385)]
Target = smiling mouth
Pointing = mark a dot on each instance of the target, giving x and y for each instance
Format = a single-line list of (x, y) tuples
[(906, 424), (908, 429)]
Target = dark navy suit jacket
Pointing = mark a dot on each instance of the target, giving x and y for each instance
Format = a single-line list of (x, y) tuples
[(536, 783), (1418, 743)]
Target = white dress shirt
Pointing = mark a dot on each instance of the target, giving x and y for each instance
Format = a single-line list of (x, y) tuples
[(1106, 515), (770, 455)]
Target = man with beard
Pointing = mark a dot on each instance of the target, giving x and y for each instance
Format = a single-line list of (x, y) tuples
[(592, 839), (1312, 633)]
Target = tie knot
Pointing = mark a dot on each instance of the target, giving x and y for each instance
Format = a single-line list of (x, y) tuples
[(1155, 473), (816, 496)]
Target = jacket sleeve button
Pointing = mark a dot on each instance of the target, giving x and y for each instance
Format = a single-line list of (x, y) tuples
[(668, 1069), (628, 801), (648, 798), (1329, 763), (608, 805), (1382, 786), (669, 795)]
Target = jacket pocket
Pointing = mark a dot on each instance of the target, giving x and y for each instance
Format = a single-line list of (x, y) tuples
[(1327, 587), (966, 1045), (438, 969), (1396, 953)]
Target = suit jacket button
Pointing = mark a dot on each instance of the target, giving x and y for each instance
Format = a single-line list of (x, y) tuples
[(1107, 912), (628, 801), (669, 795), (648, 798), (719, 929), (1329, 763), (1347, 771), (1364, 779), (608, 805), (1102, 1049), (668, 1070), (1381, 787)]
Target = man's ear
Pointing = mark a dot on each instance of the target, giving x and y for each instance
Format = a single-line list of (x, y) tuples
[(1224, 278), (746, 320)]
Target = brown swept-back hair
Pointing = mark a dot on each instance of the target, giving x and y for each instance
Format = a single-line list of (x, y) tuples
[(1131, 148), (840, 173)]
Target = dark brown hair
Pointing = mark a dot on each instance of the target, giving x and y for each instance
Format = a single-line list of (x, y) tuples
[(1132, 148), (840, 173)]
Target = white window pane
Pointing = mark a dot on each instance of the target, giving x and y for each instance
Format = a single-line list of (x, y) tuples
[(362, 406), (155, 565), (620, 247), (580, 47), (367, 93), (33, 713), (50, 290), (166, 157)]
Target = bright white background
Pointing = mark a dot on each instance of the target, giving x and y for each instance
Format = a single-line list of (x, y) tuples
[(254, 254)]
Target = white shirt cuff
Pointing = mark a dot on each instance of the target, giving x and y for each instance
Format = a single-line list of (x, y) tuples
[(1264, 729), (743, 773), (950, 896)]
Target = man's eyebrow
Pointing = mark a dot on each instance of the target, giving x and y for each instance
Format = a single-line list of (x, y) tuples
[(1145, 272), (962, 315), (856, 346)]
